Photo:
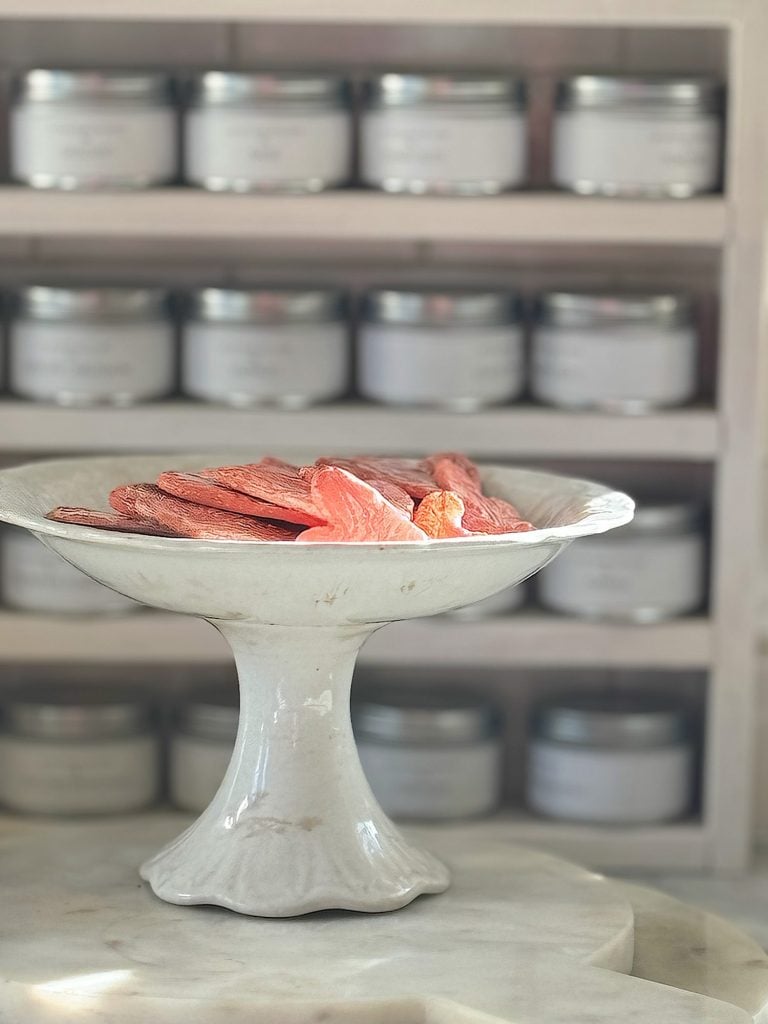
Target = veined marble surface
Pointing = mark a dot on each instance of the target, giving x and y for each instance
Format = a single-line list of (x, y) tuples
[(520, 937)]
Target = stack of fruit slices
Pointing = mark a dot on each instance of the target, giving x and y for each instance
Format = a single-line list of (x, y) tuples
[(334, 500)]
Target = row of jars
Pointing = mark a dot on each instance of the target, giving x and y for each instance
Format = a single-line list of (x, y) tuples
[(456, 349), (613, 757), (456, 134), (653, 569)]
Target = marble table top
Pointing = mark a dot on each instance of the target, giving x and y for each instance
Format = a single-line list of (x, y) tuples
[(521, 937)]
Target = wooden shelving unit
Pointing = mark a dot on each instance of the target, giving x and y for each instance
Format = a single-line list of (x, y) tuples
[(724, 437)]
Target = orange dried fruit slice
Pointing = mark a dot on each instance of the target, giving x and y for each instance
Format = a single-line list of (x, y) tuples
[(439, 515)]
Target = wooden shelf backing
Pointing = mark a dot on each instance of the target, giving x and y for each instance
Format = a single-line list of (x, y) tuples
[(400, 12), (509, 431), (360, 216), (528, 639)]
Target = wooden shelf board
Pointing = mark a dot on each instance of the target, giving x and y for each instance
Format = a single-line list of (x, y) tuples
[(360, 216), (451, 12), (512, 431), (526, 639)]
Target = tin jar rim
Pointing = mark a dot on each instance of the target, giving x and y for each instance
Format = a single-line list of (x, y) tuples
[(413, 716), (615, 719), (62, 85), (689, 93), (414, 89), (441, 308)]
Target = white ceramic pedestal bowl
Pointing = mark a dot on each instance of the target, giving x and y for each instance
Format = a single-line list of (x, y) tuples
[(294, 827)]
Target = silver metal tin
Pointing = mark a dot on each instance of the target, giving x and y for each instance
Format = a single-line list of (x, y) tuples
[(48, 85), (441, 308), (395, 89), (239, 89), (266, 305), (613, 719), (211, 713), (654, 92), (587, 309), (92, 305), (428, 717), (65, 712), (659, 516)]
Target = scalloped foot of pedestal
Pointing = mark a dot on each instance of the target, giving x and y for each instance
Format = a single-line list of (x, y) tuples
[(269, 868)]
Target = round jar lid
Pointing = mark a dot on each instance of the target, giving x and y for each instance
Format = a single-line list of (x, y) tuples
[(46, 302), (615, 719), (653, 91), (48, 85), (395, 89), (238, 88), (211, 712), (429, 717), (67, 712), (670, 515), (266, 305), (588, 309), (441, 308)]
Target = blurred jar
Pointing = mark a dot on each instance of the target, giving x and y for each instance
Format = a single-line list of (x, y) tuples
[(35, 579), (455, 134), (430, 754), (504, 603), (652, 569), (93, 129), (201, 746), (282, 346), (271, 132), (68, 750), (623, 353), (459, 350), (615, 758), (639, 136), (92, 346)]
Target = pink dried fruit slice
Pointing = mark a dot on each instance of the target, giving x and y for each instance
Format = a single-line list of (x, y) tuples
[(108, 521), (355, 511), (203, 491), (278, 484), (481, 513), (461, 461), (439, 515), (191, 520), (409, 474)]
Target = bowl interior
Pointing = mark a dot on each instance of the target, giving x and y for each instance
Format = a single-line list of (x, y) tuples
[(312, 584)]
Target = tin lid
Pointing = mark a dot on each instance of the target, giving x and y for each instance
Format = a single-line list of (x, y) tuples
[(587, 309), (660, 515), (243, 88), (266, 305), (49, 85), (613, 718), (428, 716), (58, 302), (211, 712), (397, 89), (70, 712), (653, 91), (441, 308)]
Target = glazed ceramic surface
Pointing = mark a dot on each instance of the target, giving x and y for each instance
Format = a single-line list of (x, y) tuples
[(294, 827)]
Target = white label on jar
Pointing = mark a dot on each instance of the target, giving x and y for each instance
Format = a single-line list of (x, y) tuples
[(96, 144), (197, 767), (636, 150), (433, 782), (37, 580), (99, 777), (261, 146), (576, 366), (433, 364), (611, 786), (231, 362), (621, 577), (434, 145), (91, 362)]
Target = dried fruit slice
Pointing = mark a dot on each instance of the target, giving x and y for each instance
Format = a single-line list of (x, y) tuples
[(203, 491), (108, 521), (409, 474), (355, 511), (439, 515), (278, 484), (190, 520), (459, 460), (481, 513)]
